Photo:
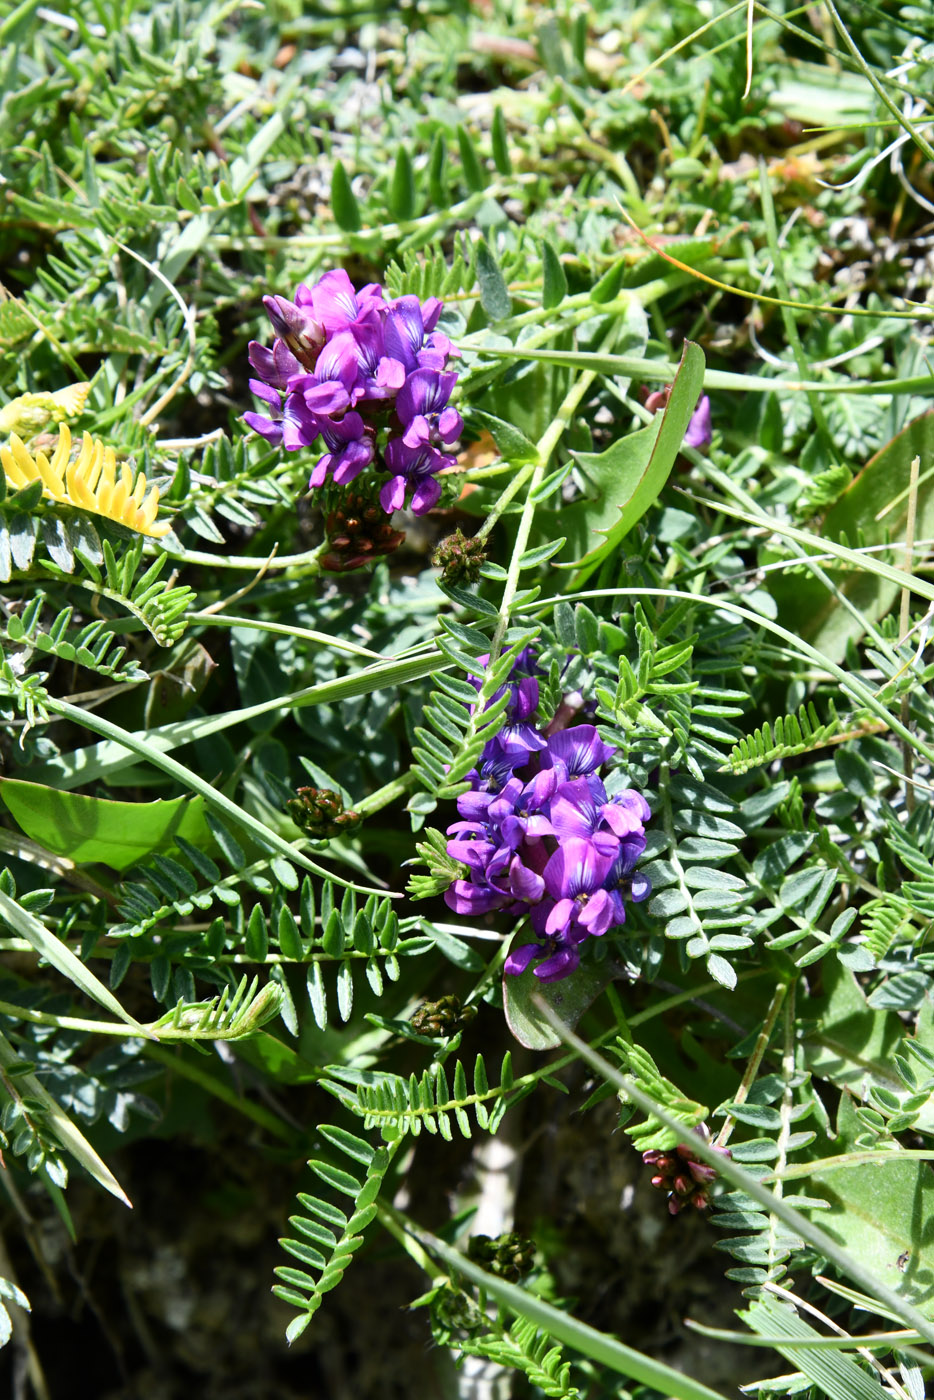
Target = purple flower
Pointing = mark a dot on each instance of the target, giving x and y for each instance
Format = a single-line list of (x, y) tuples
[(577, 752), (276, 366), (408, 344), (296, 328), (337, 306), (520, 811), (574, 878), (366, 374), (413, 469), (351, 449), (562, 960), (579, 810), (619, 878), (291, 424), (699, 433), (424, 410)]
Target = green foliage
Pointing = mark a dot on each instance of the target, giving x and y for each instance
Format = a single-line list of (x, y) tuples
[(643, 1069), (790, 735), (329, 1234), (765, 684)]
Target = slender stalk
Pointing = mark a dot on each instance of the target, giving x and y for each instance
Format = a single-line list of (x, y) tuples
[(755, 1060), (904, 620)]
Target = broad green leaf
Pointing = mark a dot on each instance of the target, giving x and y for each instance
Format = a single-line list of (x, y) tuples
[(568, 999), (852, 1044), (89, 830), (883, 1214), (628, 477), (872, 510)]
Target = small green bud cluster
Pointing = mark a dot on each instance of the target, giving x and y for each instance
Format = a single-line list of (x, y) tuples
[(442, 1017), (460, 558), (320, 813)]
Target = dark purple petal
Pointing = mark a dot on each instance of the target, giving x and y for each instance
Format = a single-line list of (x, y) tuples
[(266, 393), (426, 495), (561, 964), (579, 750), (465, 898), (450, 425), (431, 310), (392, 494), (519, 959), (337, 306), (266, 428), (404, 331), (597, 914), (524, 883), (575, 868), (561, 914), (641, 888), (699, 432), (424, 392)]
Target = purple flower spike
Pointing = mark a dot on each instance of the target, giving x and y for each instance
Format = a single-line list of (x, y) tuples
[(699, 433), (541, 843), (341, 355)]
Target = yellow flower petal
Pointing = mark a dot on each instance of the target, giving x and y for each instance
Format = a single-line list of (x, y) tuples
[(50, 479), (12, 469), (91, 482), (62, 452)]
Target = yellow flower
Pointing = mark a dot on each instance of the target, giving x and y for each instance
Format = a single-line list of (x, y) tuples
[(90, 482), (30, 413)]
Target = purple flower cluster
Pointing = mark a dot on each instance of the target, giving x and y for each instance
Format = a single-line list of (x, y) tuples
[(540, 836), (367, 376)]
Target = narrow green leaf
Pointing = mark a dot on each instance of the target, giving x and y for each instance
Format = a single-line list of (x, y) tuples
[(474, 176), (494, 294), (554, 281), (499, 142), (344, 202), (63, 959), (58, 1122), (437, 172), (401, 197)]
